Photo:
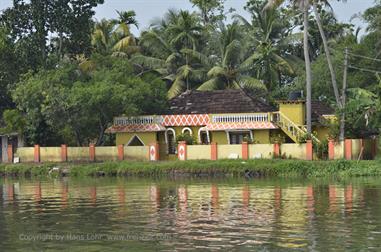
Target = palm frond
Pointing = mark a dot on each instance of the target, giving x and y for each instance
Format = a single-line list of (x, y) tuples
[(148, 62), (211, 84), (178, 86)]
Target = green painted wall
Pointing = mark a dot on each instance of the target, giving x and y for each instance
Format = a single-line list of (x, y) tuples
[(146, 137), (322, 132), (261, 136), (218, 137), (294, 111), (195, 130)]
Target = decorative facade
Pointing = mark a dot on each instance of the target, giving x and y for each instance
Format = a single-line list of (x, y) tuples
[(223, 117)]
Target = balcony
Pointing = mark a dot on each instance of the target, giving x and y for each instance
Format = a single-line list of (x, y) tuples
[(242, 118), (138, 120)]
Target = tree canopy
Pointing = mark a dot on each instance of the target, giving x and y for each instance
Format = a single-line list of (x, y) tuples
[(65, 75)]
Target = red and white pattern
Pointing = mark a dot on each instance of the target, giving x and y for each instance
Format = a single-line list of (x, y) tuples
[(240, 125), (152, 153), (136, 128), (181, 152), (186, 120)]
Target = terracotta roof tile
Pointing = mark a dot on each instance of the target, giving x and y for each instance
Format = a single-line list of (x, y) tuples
[(218, 101)]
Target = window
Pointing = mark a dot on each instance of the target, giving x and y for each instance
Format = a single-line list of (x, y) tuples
[(204, 137), (171, 141), (135, 141), (238, 137), (187, 131)]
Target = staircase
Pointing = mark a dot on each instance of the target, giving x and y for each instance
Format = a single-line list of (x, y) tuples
[(295, 132)]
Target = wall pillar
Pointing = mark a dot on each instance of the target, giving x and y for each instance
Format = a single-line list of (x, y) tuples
[(36, 153), (121, 152), (245, 150), (154, 152), (4, 148), (64, 153), (309, 150), (374, 148), (10, 153), (276, 150), (348, 149), (331, 149), (92, 152), (182, 151), (213, 151)]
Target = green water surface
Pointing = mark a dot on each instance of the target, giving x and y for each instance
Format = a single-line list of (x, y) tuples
[(127, 214)]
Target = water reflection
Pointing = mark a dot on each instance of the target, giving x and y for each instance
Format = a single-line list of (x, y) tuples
[(214, 215)]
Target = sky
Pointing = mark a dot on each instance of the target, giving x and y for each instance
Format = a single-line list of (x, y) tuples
[(147, 10)]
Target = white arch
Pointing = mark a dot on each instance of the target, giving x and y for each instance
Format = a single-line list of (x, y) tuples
[(207, 134), (187, 128), (166, 134)]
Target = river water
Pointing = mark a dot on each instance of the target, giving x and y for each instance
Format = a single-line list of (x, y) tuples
[(126, 214)]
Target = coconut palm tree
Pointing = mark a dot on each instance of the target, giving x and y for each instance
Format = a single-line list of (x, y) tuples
[(229, 71), (114, 36), (171, 49), (269, 38)]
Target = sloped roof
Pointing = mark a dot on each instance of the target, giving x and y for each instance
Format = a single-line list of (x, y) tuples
[(218, 101), (319, 108)]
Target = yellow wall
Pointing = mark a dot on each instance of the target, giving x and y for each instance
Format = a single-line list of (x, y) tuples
[(224, 151), (136, 152), (198, 152), (356, 148), (339, 150), (50, 154), (78, 153), (297, 151), (261, 151), (109, 153), (26, 154), (261, 136), (218, 137), (146, 137), (294, 111)]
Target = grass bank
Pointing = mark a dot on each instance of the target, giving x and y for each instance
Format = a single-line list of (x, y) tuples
[(237, 168)]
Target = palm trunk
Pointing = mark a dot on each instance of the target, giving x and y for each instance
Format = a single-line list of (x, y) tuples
[(344, 97), (328, 55), (308, 68)]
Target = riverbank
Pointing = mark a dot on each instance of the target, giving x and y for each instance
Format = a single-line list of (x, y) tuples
[(237, 168)]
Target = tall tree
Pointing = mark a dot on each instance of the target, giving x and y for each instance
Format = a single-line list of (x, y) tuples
[(304, 6)]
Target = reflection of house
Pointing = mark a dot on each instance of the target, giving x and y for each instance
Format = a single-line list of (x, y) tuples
[(224, 117)]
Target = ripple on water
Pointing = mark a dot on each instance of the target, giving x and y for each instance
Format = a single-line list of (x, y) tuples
[(171, 216)]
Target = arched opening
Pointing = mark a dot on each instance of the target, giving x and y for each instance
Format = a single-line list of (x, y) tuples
[(171, 141), (203, 136), (187, 131), (135, 141)]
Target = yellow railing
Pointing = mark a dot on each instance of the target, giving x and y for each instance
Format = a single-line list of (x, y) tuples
[(294, 131)]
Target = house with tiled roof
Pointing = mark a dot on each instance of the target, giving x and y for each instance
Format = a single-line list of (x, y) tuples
[(226, 117)]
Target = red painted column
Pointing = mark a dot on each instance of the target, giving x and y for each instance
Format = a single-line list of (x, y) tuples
[(154, 154), (36, 153), (182, 151), (213, 151), (309, 150), (245, 150), (120, 152), (64, 153), (276, 150), (331, 149), (10, 153), (92, 152), (348, 149)]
